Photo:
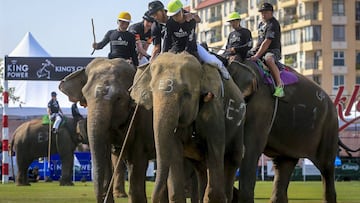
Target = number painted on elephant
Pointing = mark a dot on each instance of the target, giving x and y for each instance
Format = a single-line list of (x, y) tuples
[(235, 111), (166, 85), (104, 91)]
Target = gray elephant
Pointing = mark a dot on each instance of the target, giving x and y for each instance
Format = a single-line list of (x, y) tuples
[(303, 124), (31, 139), (103, 88), (173, 86)]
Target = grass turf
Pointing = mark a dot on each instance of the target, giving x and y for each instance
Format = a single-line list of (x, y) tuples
[(304, 192)]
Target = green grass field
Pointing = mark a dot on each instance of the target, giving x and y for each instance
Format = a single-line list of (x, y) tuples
[(347, 192)]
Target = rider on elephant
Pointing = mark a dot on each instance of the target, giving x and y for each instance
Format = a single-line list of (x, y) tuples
[(239, 41), (180, 36), (122, 42), (142, 32), (54, 112), (268, 46)]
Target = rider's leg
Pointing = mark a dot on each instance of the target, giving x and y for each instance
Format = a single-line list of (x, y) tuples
[(270, 62), (57, 122), (211, 59)]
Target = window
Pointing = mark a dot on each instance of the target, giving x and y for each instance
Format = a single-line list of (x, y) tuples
[(338, 33), (357, 79), (338, 81), (357, 32), (339, 59), (357, 11), (312, 33), (289, 37), (338, 7), (358, 60), (317, 79)]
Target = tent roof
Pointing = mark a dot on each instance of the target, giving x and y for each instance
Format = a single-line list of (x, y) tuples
[(29, 46)]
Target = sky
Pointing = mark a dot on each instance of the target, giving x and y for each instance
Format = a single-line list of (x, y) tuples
[(63, 27)]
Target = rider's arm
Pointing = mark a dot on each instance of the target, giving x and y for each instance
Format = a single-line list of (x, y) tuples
[(103, 42), (140, 48)]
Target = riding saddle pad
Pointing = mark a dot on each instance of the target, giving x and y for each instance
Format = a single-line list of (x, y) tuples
[(46, 121), (286, 75)]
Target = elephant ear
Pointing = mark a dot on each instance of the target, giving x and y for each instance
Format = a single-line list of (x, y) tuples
[(141, 90), (211, 81), (72, 84)]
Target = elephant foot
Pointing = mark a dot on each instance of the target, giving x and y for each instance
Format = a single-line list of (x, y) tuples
[(120, 195), (23, 184), (66, 183), (48, 179)]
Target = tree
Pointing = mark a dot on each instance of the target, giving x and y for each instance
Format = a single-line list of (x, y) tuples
[(11, 90)]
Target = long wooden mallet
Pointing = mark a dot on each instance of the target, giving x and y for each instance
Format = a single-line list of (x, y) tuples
[(49, 145), (93, 31)]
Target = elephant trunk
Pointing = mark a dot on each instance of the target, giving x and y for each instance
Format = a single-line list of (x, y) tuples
[(169, 151), (97, 126)]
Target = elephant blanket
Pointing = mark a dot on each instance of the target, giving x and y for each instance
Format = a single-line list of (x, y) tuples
[(287, 77)]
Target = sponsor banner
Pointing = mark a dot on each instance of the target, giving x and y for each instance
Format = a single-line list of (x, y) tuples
[(42, 68)]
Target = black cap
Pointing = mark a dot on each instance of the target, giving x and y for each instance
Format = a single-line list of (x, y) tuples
[(53, 94), (147, 17), (266, 7), (154, 6)]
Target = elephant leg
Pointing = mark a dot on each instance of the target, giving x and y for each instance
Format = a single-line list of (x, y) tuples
[(283, 168), (66, 149), (176, 183), (119, 177), (328, 180), (215, 191), (248, 177), (137, 188), (200, 170), (327, 171), (230, 172), (67, 164), (22, 176)]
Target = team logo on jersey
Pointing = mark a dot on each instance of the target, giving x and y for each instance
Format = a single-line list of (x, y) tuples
[(181, 33), (119, 42)]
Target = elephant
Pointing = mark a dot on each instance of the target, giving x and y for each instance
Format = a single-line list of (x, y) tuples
[(31, 139), (103, 87), (303, 124), (194, 112)]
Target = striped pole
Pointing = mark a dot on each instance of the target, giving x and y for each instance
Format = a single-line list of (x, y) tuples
[(5, 135)]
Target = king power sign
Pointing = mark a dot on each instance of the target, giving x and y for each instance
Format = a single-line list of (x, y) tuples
[(42, 68), (345, 104)]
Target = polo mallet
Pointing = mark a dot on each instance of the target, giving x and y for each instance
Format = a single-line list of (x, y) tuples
[(49, 146), (93, 31)]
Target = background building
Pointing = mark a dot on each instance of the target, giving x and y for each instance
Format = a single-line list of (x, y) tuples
[(320, 39)]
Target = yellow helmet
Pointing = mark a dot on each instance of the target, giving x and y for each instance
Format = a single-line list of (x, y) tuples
[(124, 16), (233, 16), (174, 7)]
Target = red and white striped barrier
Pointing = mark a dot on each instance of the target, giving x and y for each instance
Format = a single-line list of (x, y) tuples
[(5, 136)]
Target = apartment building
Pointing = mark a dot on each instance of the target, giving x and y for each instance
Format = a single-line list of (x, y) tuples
[(320, 39)]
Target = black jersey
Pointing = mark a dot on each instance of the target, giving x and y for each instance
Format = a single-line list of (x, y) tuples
[(54, 106), (270, 30), (122, 45), (240, 40), (138, 30), (180, 36), (157, 32)]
